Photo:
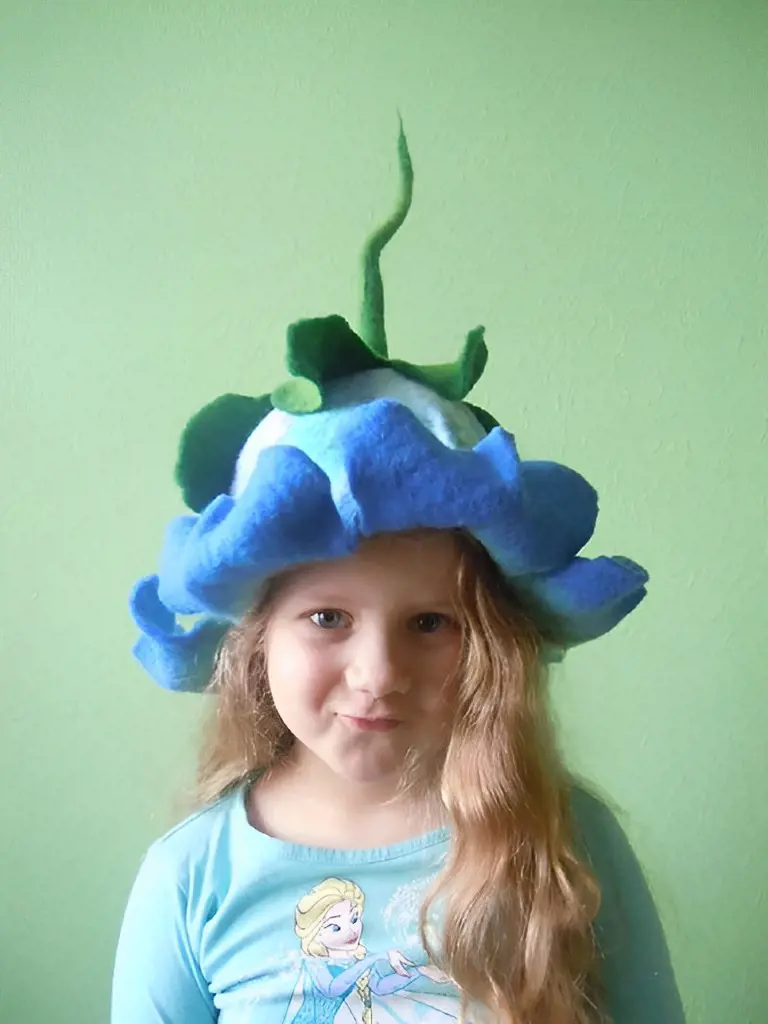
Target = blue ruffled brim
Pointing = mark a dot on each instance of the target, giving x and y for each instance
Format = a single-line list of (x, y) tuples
[(385, 473)]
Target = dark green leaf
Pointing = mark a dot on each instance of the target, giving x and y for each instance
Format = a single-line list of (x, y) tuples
[(210, 444)]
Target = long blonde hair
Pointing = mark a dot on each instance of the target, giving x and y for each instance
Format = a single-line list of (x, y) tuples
[(516, 903)]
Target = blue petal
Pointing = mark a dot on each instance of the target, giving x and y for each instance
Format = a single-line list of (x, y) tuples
[(216, 562), (176, 659), (585, 599), (531, 516)]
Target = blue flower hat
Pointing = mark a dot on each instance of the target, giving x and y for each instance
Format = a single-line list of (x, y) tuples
[(355, 444)]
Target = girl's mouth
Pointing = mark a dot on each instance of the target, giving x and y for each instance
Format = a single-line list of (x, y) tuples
[(371, 724)]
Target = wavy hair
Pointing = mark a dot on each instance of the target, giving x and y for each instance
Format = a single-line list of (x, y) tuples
[(515, 901)]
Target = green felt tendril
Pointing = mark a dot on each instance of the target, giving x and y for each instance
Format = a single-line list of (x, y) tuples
[(372, 320)]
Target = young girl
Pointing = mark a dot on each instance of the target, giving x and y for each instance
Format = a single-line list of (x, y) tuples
[(380, 583)]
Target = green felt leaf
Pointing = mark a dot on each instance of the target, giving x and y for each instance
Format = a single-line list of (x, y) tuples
[(297, 396), (211, 443), (318, 351), (326, 348), (455, 380)]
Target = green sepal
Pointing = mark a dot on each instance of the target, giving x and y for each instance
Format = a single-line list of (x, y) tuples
[(299, 395), (454, 380), (325, 349), (320, 350), (211, 443)]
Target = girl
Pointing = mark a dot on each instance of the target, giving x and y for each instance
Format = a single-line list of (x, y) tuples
[(380, 583)]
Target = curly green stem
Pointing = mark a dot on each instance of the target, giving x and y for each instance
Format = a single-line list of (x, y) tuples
[(372, 328)]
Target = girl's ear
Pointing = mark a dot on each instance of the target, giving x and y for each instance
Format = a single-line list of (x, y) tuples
[(211, 443)]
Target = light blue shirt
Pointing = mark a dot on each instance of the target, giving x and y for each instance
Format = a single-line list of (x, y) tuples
[(227, 924)]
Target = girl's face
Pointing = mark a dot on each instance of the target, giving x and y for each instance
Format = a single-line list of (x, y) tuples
[(341, 929), (359, 653)]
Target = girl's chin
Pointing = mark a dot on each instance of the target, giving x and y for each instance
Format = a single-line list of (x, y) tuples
[(367, 765), (369, 771)]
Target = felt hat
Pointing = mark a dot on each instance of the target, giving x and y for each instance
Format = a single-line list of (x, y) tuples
[(353, 444)]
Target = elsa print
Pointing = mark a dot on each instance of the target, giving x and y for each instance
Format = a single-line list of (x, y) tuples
[(339, 977)]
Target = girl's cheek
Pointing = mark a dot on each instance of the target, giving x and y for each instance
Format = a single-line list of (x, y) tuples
[(290, 654), (318, 675)]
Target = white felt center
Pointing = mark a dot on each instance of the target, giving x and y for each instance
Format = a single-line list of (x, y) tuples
[(450, 422)]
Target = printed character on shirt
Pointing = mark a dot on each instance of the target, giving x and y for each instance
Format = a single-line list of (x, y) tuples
[(339, 978)]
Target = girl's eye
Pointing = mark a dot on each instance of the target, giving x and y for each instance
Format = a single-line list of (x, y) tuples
[(431, 622), (334, 928), (328, 618)]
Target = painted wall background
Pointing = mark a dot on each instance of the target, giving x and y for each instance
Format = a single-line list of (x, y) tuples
[(179, 182)]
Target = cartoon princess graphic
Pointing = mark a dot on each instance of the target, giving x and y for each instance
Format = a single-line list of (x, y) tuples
[(341, 981)]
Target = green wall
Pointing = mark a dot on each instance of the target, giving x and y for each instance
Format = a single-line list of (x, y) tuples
[(179, 182)]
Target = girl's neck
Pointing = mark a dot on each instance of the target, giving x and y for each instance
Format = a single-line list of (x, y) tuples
[(304, 802)]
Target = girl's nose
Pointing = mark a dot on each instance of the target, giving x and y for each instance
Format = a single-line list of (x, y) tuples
[(377, 665)]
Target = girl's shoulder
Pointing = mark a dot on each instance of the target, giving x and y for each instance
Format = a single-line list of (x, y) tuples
[(637, 971), (599, 837), (595, 820), (204, 835)]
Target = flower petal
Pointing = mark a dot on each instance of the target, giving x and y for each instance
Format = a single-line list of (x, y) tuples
[(216, 563), (586, 598), (176, 659)]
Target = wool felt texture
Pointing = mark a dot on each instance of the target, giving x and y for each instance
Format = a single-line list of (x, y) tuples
[(346, 474), (353, 445), (319, 351)]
